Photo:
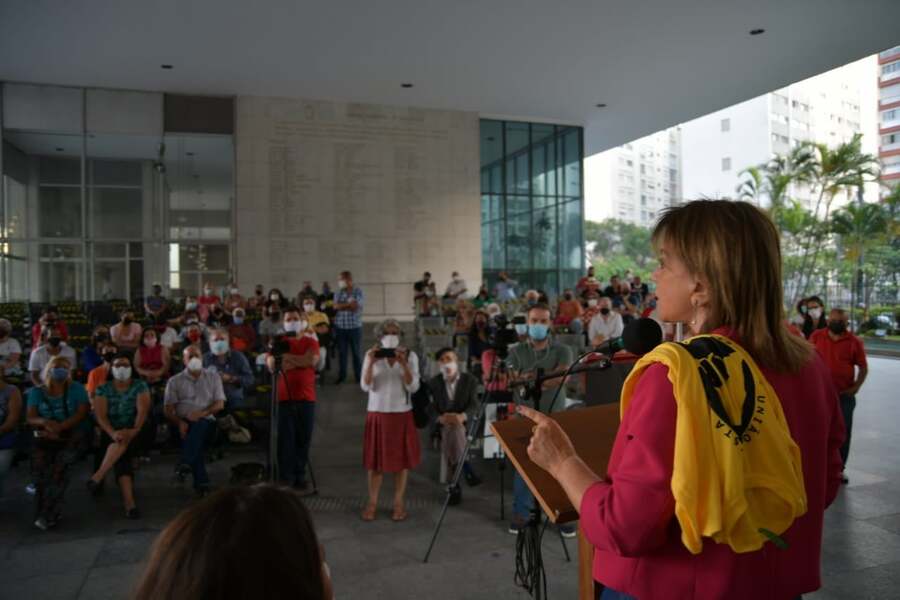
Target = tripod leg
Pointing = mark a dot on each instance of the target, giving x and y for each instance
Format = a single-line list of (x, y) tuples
[(312, 476), (502, 486), (562, 540)]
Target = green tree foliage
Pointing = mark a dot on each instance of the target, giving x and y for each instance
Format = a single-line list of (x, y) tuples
[(617, 246)]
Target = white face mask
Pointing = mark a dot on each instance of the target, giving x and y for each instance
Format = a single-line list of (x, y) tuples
[(592, 302), (121, 373), (274, 297), (207, 291), (815, 313), (294, 326), (390, 341), (449, 369), (234, 291), (341, 284), (309, 307), (195, 365)]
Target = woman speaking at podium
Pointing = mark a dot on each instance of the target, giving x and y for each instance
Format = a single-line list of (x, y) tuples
[(727, 452)]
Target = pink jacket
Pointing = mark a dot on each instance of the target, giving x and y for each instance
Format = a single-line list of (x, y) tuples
[(630, 520)]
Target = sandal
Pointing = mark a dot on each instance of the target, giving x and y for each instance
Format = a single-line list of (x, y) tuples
[(368, 514), (400, 514)]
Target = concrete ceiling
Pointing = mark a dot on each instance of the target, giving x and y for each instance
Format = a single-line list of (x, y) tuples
[(655, 63)]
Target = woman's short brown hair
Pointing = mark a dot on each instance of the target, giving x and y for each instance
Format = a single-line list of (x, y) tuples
[(734, 247), (240, 542)]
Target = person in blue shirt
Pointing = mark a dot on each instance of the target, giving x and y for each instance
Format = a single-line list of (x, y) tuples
[(121, 408), (90, 356), (56, 410), (348, 306), (231, 365)]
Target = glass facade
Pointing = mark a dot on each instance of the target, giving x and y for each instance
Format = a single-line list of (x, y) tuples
[(100, 196), (532, 204)]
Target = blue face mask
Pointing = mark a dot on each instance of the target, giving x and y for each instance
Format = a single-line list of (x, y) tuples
[(538, 331), (521, 329), (238, 320), (59, 374), (218, 346)]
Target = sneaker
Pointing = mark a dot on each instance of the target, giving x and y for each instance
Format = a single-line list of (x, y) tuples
[(455, 495), (31, 489), (517, 525), (42, 524), (568, 531)]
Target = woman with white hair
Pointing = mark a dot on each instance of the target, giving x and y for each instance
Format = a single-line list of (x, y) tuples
[(56, 411), (390, 376)]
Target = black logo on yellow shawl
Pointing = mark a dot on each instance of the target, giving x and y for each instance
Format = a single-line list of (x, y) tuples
[(711, 354)]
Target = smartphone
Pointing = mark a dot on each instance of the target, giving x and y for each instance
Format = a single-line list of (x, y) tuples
[(386, 353)]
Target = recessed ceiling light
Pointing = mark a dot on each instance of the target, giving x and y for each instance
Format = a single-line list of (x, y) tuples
[(601, 105), (757, 31), (59, 150), (406, 85), (166, 66)]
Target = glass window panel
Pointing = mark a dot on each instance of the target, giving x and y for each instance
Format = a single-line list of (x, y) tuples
[(12, 215), (485, 181), (544, 238), (485, 208), (136, 279), (539, 169), (517, 204), (135, 250), (60, 251), (518, 231), (199, 257), (498, 247), (109, 251), (496, 207), (64, 170), (117, 212), (571, 235), (521, 177), (13, 272), (497, 178), (120, 173), (59, 211), (491, 141), (110, 280), (516, 137), (572, 156), (546, 281), (59, 280)]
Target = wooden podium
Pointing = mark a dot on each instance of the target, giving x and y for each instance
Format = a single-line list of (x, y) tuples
[(592, 431)]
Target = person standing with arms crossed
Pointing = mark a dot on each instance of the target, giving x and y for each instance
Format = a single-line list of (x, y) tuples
[(348, 306)]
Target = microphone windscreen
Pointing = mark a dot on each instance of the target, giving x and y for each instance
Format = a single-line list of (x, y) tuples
[(642, 335)]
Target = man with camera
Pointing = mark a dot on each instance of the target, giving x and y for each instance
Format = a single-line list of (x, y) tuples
[(298, 352), (538, 354)]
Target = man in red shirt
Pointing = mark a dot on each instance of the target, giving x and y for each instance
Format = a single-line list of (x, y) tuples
[(296, 398), (842, 351)]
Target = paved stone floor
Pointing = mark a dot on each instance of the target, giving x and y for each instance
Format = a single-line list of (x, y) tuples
[(96, 553)]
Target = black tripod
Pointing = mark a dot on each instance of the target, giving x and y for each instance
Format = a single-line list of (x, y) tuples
[(497, 367), (274, 409)]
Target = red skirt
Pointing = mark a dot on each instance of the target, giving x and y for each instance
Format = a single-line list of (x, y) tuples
[(391, 442)]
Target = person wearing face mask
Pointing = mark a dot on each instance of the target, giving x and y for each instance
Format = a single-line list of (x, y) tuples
[(479, 336), (218, 317), (241, 333), (539, 352), (234, 299), (531, 298), (91, 356), (505, 288), (306, 291), (270, 326), (192, 397), (296, 392), (391, 443), (454, 404), (606, 324), (122, 411), (156, 305), (57, 410), (10, 350), (207, 301), (568, 313), (100, 374), (420, 289), (258, 299), (581, 287), (152, 360), (483, 298), (126, 334), (195, 337), (10, 414), (348, 306), (231, 365), (845, 356), (276, 296), (456, 288), (49, 318), (814, 319), (320, 325), (51, 347), (168, 337)]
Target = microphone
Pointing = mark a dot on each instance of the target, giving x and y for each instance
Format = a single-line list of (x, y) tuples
[(639, 337)]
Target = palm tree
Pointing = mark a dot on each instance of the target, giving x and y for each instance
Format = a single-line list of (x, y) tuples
[(859, 227), (843, 168)]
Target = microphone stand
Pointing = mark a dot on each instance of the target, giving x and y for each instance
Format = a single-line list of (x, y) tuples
[(498, 366)]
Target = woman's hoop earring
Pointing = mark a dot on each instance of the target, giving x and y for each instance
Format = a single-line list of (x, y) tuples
[(694, 317)]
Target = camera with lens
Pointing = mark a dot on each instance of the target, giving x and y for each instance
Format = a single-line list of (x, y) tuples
[(504, 334), (280, 345)]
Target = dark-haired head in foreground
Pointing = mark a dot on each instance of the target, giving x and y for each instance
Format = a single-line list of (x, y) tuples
[(241, 542)]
